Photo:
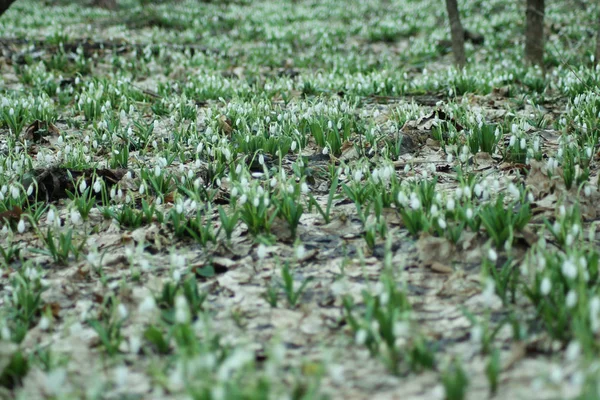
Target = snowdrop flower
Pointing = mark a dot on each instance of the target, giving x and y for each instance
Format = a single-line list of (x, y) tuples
[(492, 255), (21, 226), (402, 199), (573, 351), (434, 210), (545, 286), (477, 334), (44, 323), (514, 191), (122, 310), (51, 216), (469, 213), (148, 305), (442, 223), (569, 269), (415, 203), (5, 333), (75, 217), (488, 292), (97, 186), (261, 251), (182, 312), (594, 310), (571, 299), (300, 252), (361, 337)]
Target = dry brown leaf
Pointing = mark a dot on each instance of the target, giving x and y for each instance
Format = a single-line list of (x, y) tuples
[(437, 266), (431, 249)]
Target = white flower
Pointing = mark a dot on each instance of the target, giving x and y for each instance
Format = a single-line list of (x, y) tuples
[(182, 312), (571, 299), (97, 186), (304, 188), (82, 186), (122, 310), (492, 255), (176, 275), (569, 269), (402, 199), (477, 334), (75, 217), (573, 351), (513, 190), (469, 213), (489, 291), (401, 328), (415, 203), (442, 223), (50, 217), (361, 337), (261, 251), (148, 305), (44, 323), (135, 343), (21, 226), (300, 252), (5, 333), (545, 286)]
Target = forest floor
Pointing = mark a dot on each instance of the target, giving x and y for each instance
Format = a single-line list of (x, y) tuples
[(297, 199)]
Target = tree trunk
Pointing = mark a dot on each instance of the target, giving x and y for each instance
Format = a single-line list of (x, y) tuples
[(457, 33), (534, 32), (597, 55), (4, 4)]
